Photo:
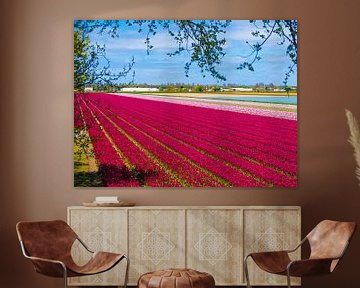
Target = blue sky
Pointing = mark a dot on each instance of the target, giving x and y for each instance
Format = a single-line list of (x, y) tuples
[(158, 67)]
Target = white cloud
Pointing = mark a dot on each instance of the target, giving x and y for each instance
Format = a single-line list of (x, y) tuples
[(241, 31), (240, 35), (160, 41)]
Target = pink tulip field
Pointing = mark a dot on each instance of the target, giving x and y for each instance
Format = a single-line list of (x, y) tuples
[(155, 141)]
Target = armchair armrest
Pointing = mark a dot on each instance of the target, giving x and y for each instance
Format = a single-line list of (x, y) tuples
[(309, 267), (83, 244), (279, 252), (298, 246), (49, 267), (271, 261), (314, 266)]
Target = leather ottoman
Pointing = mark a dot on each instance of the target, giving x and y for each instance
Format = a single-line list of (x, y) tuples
[(176, 278)]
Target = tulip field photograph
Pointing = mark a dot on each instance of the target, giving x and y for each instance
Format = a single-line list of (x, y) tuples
[(185, 103)]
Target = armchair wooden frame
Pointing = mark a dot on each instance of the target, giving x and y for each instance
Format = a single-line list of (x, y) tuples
[(320, 262), (100, 261)]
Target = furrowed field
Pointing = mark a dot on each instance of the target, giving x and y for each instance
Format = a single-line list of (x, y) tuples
[(138, 140)]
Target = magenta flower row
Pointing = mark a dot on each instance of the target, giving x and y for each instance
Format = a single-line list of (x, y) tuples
[(267, 147), (112, 167), (139, 164), (140, 142), (267, 126), (170, 137), (147, 137), (293, 166), (193, 139), (78, 121), (186, 171), (266, 143), (234, 108)]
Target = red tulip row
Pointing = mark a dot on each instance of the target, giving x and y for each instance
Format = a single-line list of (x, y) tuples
[(170, 136), (78, 119), (267, 124), (236, 144), (146, 136), (189, 172), (140, 162), (286, 165), (258, 151), (250, 130), (111, 166), (205, 146), (166, 144), (259, 140)]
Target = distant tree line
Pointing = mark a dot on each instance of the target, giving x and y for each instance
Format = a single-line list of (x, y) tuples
[(194, 88)]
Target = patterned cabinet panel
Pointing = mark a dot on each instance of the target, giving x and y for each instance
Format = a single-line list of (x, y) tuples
[(101, 230), (214, 244), (156, 240), (269, 230)]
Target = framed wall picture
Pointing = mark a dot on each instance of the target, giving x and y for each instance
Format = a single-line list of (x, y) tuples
[(185, 103)]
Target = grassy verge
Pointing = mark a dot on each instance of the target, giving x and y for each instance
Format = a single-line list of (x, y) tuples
[(86, 172)]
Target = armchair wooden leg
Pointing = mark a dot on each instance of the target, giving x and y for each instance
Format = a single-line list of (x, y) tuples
[(246, 270)]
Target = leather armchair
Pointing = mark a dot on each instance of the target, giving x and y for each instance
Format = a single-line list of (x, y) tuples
[(328, 243), (48, 245)]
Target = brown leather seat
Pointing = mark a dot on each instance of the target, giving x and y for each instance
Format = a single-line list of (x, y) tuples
[(176, 278), (48, 245), (328, 242)]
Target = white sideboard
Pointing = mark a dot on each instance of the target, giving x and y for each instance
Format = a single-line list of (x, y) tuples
[(211, 239)]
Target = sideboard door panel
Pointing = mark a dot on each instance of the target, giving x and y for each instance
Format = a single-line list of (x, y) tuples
[(101, 230), (156, 240), (270, 230), (214, 244)]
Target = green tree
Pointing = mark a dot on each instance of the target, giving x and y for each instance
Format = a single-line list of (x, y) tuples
[(203, 40), (215, 88), (81, 54), (198, 88), (91, 66), (285, 31)]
